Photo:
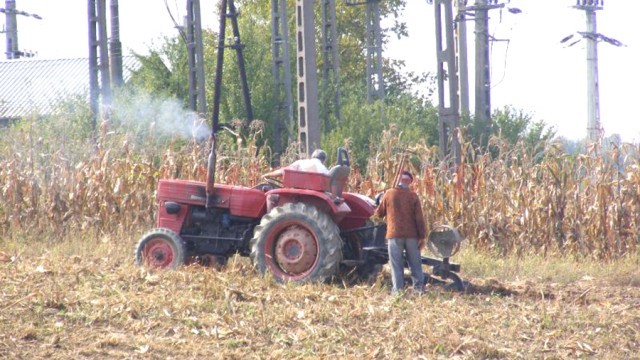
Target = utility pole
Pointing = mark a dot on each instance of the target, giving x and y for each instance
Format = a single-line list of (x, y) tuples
[(373, 44), (197, 100), (98, 58), (13, 51), (281, 68), (594, 129), (461, 55), (94, 70), (448, 98), (375, 79), (483, 66), (330, 65), (308, 114), (11, 30), (115, 46), (105, 78)]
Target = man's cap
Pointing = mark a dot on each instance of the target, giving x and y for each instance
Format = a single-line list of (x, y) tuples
[(407, 174), (319, 154)]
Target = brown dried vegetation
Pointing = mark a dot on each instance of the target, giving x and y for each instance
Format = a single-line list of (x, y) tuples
[(68, 287), (98, 305)]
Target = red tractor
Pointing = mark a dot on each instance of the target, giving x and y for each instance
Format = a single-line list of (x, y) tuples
[(304, 228)]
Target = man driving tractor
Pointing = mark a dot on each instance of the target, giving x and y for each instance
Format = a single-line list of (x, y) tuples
[(313, 164)]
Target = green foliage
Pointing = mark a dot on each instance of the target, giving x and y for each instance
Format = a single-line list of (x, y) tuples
[(515, 125), (512, 126), (164, 71), (71, 130), (363, 124)]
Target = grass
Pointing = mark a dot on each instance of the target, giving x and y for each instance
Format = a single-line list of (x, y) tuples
[(84, 298), (564, 270)]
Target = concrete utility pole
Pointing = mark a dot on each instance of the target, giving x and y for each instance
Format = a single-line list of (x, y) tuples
[(594, 128), (98, 57), (103, 36), (375, 79), (461, 55), (94, 85), (13, 51), (448, 100), (483, 64), (373, 43), (330, 65), (11, 30), (308, 114), (281, 68), (115, 46), (193, 24)]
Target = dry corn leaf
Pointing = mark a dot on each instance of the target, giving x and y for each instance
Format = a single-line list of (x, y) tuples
[(4, 257)]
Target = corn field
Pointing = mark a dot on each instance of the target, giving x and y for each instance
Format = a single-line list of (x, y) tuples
[(516, 202)]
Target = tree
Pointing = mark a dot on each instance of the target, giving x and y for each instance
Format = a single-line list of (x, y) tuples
[(512, 125)]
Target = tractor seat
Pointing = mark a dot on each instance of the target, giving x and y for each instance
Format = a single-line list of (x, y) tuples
[(299, 179)]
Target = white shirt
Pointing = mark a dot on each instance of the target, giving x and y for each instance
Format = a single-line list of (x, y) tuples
[(312, 165)]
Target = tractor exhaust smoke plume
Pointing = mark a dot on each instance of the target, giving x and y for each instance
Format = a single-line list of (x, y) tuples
[(161, 116)]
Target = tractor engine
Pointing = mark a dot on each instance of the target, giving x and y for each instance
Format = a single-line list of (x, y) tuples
[(216, 232)]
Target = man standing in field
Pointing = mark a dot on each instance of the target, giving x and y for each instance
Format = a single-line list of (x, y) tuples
[(405, 231)]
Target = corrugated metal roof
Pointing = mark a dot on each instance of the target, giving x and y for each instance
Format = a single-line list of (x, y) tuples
[(31, 86)]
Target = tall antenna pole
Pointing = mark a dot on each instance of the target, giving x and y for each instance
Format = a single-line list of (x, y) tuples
[(594, 129)]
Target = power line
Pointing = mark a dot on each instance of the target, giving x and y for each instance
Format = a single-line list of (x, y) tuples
[(11, 31), (18, 12)]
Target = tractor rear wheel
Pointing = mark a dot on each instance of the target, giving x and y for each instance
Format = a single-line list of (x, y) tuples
[(297, 242), (161, 248)]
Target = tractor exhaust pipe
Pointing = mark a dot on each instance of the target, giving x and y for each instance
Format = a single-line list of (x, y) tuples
[(211, 173)]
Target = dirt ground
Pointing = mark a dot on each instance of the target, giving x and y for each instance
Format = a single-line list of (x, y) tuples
[(105, 308)]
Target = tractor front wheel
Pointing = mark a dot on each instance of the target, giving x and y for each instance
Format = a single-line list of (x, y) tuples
[(160, 248), (297, 242)]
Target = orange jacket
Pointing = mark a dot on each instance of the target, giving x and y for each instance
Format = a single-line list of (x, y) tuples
[(403, 213)]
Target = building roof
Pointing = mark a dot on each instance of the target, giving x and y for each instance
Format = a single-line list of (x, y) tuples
[(33, 86)]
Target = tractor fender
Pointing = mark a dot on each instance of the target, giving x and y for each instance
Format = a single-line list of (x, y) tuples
[(362, 208), (337, 209)]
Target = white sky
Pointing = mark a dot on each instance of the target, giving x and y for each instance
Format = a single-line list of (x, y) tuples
[(532, 71)]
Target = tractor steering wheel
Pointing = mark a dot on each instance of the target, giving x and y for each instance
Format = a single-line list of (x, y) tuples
[(273, 182)]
